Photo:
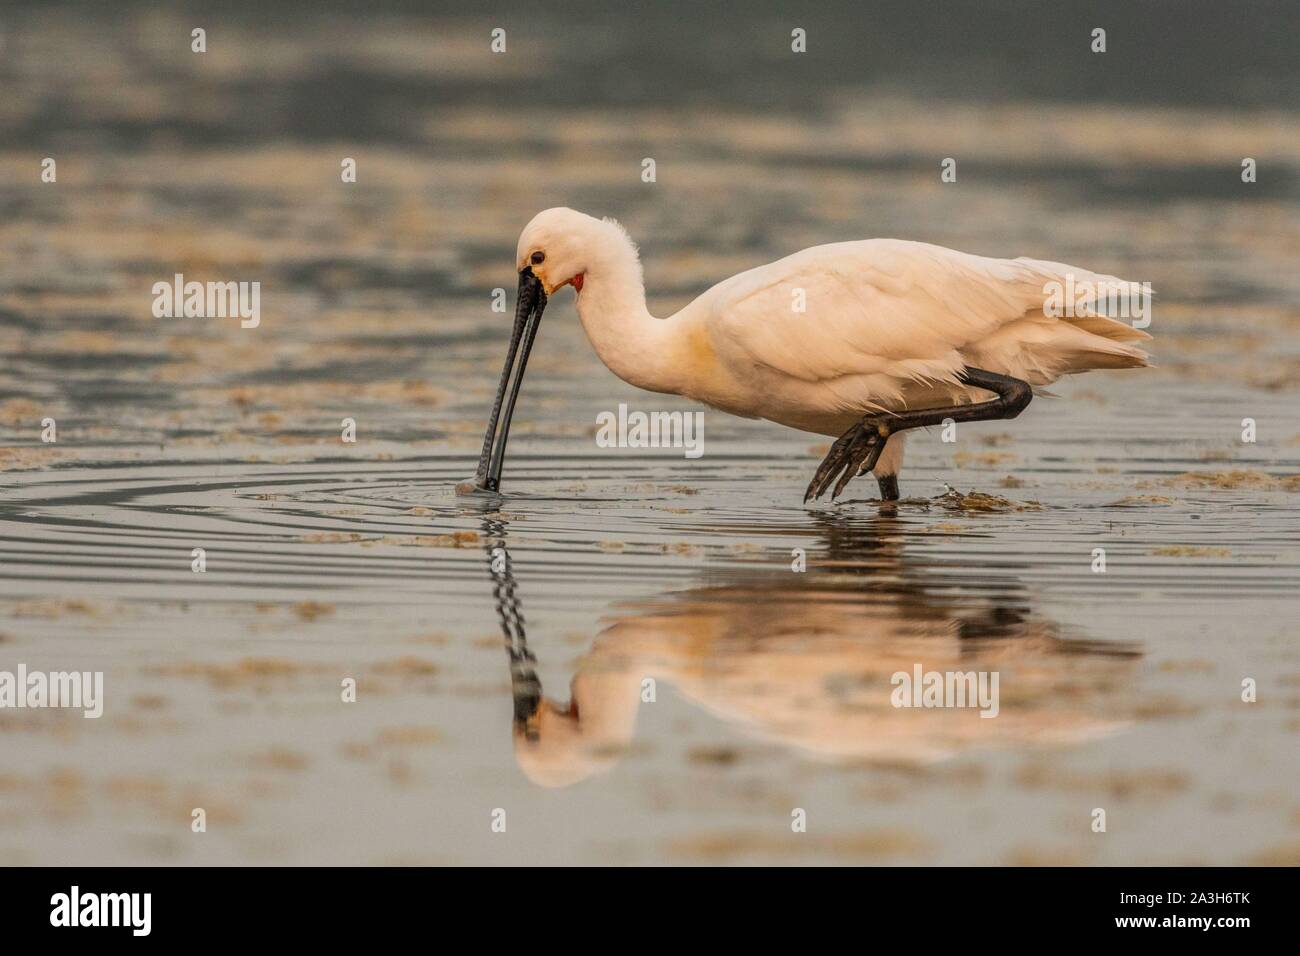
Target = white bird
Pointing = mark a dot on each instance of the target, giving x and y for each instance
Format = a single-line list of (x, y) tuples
[(811, 662), (855, 340)]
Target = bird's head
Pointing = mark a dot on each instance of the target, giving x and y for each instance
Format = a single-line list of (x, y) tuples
[(553, 752), (559, 246), (557, 746)]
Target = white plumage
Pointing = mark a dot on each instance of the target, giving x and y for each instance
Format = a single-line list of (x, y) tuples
[(820, 338), (889, 324)]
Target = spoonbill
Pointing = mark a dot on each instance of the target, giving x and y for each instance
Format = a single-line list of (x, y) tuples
[(767, 652), (859, 341)]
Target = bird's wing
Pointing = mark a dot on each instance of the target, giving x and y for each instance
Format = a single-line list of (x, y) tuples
[(906, 310)]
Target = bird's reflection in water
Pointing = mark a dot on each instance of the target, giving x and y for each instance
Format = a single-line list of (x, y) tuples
[(805, 660), (525, 688)]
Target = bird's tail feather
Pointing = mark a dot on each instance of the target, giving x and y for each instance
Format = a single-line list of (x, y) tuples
[(1085, 334), (1040, 352)]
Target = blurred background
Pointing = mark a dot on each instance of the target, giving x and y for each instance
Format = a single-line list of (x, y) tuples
[(226, 165), (332, 560)]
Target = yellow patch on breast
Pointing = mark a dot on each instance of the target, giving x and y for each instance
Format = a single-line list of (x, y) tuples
[(703, 377), (697, 344)]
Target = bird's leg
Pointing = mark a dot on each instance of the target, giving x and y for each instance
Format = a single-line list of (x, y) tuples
[(858, 449), (888, 487)]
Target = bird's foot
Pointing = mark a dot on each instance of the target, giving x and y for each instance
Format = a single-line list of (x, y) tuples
[(854, 453)]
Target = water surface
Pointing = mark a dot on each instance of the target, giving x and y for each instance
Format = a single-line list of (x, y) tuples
[(500, 646)]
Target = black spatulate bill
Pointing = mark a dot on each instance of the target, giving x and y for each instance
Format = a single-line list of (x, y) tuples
[(530, 304)]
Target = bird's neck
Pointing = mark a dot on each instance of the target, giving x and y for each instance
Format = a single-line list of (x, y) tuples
[(632, 343)]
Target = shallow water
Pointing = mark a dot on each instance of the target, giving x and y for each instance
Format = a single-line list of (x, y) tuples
[(597, 569)]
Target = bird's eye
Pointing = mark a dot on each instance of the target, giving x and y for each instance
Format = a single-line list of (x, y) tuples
[(538, 258)]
